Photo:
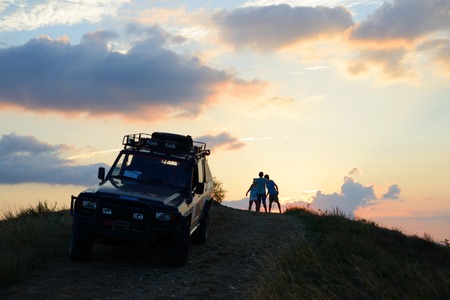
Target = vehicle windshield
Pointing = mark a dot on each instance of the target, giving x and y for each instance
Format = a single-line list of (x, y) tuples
[(153, 169)]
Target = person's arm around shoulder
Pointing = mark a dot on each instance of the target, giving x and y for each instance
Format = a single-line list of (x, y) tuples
[(249, 189)]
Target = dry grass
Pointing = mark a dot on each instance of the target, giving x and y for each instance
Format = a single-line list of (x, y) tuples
[(29, 237), (355, 259), (335, 258)]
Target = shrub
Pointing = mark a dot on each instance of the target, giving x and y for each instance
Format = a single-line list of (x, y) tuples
[(219, 191)]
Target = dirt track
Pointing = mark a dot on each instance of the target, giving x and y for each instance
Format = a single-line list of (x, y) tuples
[(239, 241)]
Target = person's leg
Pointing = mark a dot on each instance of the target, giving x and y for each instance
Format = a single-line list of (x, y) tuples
[(264, 202), (258, 202), (279, 206), (271, 199), (250, 202)]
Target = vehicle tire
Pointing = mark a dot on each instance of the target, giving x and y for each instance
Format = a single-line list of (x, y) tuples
[(81, 241), (178, 250), (200, 235)]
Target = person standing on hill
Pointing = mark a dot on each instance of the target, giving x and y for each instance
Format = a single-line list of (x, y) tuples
[(252, 198), (272, 191), (261, 183)]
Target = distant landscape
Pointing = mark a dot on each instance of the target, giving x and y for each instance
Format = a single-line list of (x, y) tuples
[(435, 228)]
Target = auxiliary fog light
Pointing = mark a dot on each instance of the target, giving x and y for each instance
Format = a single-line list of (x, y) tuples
[(106, 211), (162, 216), (89, 204), (138, 216)]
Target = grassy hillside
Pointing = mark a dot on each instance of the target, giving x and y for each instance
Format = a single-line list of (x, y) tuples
[(340, 258), (30, 237), (334, 258)]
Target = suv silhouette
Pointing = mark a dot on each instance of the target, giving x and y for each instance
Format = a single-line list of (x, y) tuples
[(158, 189)]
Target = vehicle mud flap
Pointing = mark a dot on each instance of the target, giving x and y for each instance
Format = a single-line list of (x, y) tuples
[(200, 235), (178, 250), (81, 241)]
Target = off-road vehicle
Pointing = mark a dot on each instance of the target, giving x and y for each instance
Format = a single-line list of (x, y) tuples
[(158, 189)]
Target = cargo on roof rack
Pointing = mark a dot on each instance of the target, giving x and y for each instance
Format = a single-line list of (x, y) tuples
[(169, 143), (180, 139)]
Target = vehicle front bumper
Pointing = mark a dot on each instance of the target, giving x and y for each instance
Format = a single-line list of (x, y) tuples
[(114, 218)]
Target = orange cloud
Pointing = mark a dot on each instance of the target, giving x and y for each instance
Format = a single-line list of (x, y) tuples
[(440, 53), (148, 80)]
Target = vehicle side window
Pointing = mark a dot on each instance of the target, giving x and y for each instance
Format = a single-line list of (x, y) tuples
[(199, 174), (201, 171), (208, 175)]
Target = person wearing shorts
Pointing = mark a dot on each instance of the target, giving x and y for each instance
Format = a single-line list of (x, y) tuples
[(272, 191), (252, 199), (261, 183)]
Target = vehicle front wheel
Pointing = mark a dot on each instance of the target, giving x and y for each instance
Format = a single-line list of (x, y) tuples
[(81, 241), (178, 251)]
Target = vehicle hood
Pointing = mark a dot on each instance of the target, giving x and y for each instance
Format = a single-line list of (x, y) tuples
[(139, 191)]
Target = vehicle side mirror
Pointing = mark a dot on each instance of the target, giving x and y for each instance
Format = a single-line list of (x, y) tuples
[(200, 188), (101, 173)]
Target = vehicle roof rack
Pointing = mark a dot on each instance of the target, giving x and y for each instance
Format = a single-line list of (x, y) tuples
[(167, 143)]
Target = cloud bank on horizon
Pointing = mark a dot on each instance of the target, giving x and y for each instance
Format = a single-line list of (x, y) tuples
[(352, 196), (24, 159)]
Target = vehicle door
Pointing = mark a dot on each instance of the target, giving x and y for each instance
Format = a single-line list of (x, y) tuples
[(199, 196)]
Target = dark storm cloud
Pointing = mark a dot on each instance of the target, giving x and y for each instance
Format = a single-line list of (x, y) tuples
[(275, 26), (24, 159), (221, 140), (405, 19), (46, 74)]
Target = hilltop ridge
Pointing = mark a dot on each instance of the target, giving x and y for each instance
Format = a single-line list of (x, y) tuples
[(222, 269), (297, 254)]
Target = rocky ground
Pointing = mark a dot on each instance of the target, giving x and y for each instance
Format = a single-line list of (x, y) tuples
[(224, 268)]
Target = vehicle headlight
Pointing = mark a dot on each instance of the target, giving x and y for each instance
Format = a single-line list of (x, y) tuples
[(106, 211), (138, 216), (162, 216), (89, 204)]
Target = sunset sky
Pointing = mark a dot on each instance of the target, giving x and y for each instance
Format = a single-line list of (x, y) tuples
[(343, 103)]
